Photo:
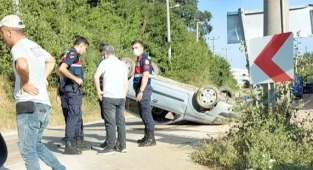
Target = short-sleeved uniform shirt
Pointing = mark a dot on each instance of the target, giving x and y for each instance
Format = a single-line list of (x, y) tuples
[(114, 72), (143, 64), (36, 58), (74, 64)]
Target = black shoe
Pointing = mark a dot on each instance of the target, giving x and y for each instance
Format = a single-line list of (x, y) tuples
[(70, 149), (81, 145), (104, 144), (150, 141), (106, 152), (143, 139)]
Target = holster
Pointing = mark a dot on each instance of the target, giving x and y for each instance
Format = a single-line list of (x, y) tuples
[(27, 107)]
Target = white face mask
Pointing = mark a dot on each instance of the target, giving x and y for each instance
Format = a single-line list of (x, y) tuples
[(137, 52)]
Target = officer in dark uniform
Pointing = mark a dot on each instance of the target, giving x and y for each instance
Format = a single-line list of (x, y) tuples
[(72, 71), (60, 92), (143, 90)]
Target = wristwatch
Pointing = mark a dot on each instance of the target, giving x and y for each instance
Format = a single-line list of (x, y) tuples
[(140, 91)]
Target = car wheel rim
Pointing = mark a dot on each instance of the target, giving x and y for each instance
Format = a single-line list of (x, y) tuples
[(208, 96), (128, 65)]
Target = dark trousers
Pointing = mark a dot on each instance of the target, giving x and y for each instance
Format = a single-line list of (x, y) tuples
[(113, 110), (145, 107), (74, 122), (65, 109)]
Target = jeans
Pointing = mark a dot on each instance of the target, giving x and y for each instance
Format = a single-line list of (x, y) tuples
[(113, 110), (30, 128)]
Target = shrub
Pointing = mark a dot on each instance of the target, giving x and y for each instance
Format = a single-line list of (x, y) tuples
[(260, 140)]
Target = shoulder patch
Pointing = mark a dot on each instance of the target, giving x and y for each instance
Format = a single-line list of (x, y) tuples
[(72, 54), (147, 62)]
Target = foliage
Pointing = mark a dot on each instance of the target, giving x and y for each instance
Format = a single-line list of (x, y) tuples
[(260, 140), (54, 24), (303, 64)]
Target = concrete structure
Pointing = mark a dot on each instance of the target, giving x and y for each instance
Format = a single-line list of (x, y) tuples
[(240, 75)]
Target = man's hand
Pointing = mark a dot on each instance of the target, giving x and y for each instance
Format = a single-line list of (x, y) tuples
[(100, 95), (139, 96), (79, 81), (29, 88)]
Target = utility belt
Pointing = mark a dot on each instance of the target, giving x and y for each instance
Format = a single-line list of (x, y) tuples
[(73, 87)]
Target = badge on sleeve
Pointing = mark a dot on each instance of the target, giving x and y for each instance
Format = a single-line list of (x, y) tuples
[(72, 54)]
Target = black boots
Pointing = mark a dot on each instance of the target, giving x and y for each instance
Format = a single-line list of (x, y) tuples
[(149, 141), (70, 149), (144, 138), (81, 145)]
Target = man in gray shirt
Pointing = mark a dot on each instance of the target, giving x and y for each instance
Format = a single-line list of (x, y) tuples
[(113, 94), (32, 65)]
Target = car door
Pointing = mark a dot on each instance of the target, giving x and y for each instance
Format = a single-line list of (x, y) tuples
[(308, 84), (169, 97)]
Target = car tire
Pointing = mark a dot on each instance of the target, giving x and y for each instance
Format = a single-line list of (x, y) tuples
[(226, 92), (3, 151), (207, 96), (156, 69), (130, 65)]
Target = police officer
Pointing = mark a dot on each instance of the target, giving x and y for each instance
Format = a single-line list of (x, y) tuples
[(72, 70), (143, 90)]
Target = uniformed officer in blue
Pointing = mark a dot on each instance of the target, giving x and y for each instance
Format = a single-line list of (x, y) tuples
[(143, 90), (72, 70)]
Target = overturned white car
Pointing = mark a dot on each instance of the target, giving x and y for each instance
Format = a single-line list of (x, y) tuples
[(173, 101)]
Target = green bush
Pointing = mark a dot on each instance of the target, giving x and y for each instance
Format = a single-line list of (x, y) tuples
[(260, 140), (54, 24)]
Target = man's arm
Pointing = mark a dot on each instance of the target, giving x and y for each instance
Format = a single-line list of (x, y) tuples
[(64, 71), (21, 66), (50, 64), (144, 80), (126, 83), (99, 72), (96, 81)]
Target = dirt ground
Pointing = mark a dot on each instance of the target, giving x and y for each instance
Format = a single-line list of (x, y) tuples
[(304, 116), (174, 145)]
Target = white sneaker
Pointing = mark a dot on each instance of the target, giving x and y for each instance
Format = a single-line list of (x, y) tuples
[(123, 150)]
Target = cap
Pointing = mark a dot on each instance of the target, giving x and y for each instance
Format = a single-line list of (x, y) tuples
[(109, 49), (12, 21)]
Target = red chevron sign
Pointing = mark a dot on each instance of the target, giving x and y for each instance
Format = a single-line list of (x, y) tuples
[(271, 58)]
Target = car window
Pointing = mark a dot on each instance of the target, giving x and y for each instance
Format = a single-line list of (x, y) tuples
[(309, 79)]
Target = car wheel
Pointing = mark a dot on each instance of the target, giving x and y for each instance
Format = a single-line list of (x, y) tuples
[(226, 92), (207, 96), (3, 151), (130, 65), (155, 67)]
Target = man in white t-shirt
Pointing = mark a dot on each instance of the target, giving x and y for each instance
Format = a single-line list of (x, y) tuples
[(32, 65), (113, 94)]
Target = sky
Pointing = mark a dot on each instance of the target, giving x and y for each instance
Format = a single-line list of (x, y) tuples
[(219, 9)]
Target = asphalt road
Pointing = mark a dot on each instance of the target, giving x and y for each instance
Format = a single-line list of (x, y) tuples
[(174, 145)]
